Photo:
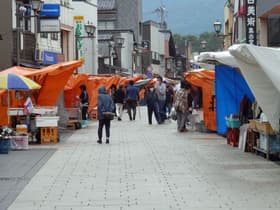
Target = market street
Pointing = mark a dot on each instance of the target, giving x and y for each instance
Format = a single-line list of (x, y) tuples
[(150, 167)]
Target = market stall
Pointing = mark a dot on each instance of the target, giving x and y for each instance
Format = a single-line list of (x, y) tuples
[(52, 80), (205, 79), (259, 68)]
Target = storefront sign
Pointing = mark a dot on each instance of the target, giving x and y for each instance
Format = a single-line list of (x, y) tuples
[(78, 25), (50, 10), (49, 25), (251, 22), (78, 18), (49, 58)]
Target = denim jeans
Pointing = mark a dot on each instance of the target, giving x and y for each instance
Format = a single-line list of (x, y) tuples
[(107, 124)]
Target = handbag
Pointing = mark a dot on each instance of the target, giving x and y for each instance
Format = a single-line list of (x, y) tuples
[(108, 115)]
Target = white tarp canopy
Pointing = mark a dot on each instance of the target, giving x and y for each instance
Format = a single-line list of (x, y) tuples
[(260, 67)]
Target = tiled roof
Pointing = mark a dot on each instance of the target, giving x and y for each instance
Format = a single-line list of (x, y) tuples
[(106, 4)]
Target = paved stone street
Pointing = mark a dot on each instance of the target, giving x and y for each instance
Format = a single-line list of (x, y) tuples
[(151, 168)]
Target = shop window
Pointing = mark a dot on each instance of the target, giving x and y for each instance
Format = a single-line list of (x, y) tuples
[(274, 31), (44, 35), (54, 36)]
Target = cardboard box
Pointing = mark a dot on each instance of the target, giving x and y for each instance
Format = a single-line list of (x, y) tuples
[(264, 127)]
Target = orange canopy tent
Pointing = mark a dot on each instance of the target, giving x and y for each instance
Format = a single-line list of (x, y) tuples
[(71, 90), (205, 80), (52, 80)]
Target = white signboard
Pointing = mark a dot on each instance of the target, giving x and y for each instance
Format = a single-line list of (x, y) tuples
[(49, 25)]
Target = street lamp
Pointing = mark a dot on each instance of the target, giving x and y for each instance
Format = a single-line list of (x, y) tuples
[(119, 41), (36, 5), (203, 44), (115, 42), (218, 27), (111, 47), (90, 29)]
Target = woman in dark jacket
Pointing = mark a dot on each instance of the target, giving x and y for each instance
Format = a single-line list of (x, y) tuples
[(151, 100), (105, 104), (84, 101)]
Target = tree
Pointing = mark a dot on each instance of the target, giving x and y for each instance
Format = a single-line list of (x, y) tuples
[(214, 43)]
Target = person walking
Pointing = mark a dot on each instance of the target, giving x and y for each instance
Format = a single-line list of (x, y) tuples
[(169, 99), (105, 108), (160, 88), (132, 97), (84, 104), (119, 101), (181, 106), (151, 100), (112, 92)]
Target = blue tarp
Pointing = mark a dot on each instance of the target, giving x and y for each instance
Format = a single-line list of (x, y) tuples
[(230, 89)]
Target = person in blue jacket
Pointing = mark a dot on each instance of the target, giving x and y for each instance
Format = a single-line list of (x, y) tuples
[(132, 97), (104, 104)]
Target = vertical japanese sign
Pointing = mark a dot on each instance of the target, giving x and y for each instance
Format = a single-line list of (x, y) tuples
[(251, 22), (78, 24)]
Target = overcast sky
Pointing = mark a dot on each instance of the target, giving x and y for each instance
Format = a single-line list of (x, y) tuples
[(187, 16)]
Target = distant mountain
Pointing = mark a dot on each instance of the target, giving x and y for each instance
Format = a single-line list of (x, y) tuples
[(186, 16)]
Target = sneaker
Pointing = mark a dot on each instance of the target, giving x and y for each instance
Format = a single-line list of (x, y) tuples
[(99, 142), (107, 141), (119, 119)]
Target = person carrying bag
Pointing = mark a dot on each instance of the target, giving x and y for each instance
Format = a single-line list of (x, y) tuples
[(105, 108)]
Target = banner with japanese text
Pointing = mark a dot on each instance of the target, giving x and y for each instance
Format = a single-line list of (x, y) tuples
[(251, 22)]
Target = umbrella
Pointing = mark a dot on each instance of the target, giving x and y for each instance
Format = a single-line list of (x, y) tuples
[(142, 83), (16, 82)]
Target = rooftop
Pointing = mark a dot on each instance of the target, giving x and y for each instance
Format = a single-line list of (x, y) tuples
[(106, 4)]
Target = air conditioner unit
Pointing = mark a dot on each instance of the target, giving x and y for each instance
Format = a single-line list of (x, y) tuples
[(38, 55)]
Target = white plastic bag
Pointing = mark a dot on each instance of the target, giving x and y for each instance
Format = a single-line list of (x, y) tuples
[(173, 114)]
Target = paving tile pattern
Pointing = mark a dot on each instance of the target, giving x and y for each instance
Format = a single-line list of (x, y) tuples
[(151, 168)]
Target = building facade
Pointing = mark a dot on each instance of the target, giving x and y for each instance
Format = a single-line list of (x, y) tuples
[(252, 21), (268, 13), (6, 34), (85, 13), (118, 20), (154, 59), (36, 38)]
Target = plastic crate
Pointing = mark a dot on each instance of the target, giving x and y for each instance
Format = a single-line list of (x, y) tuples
[(233, 123), (4, 146), (19, 142), (48, 135)]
